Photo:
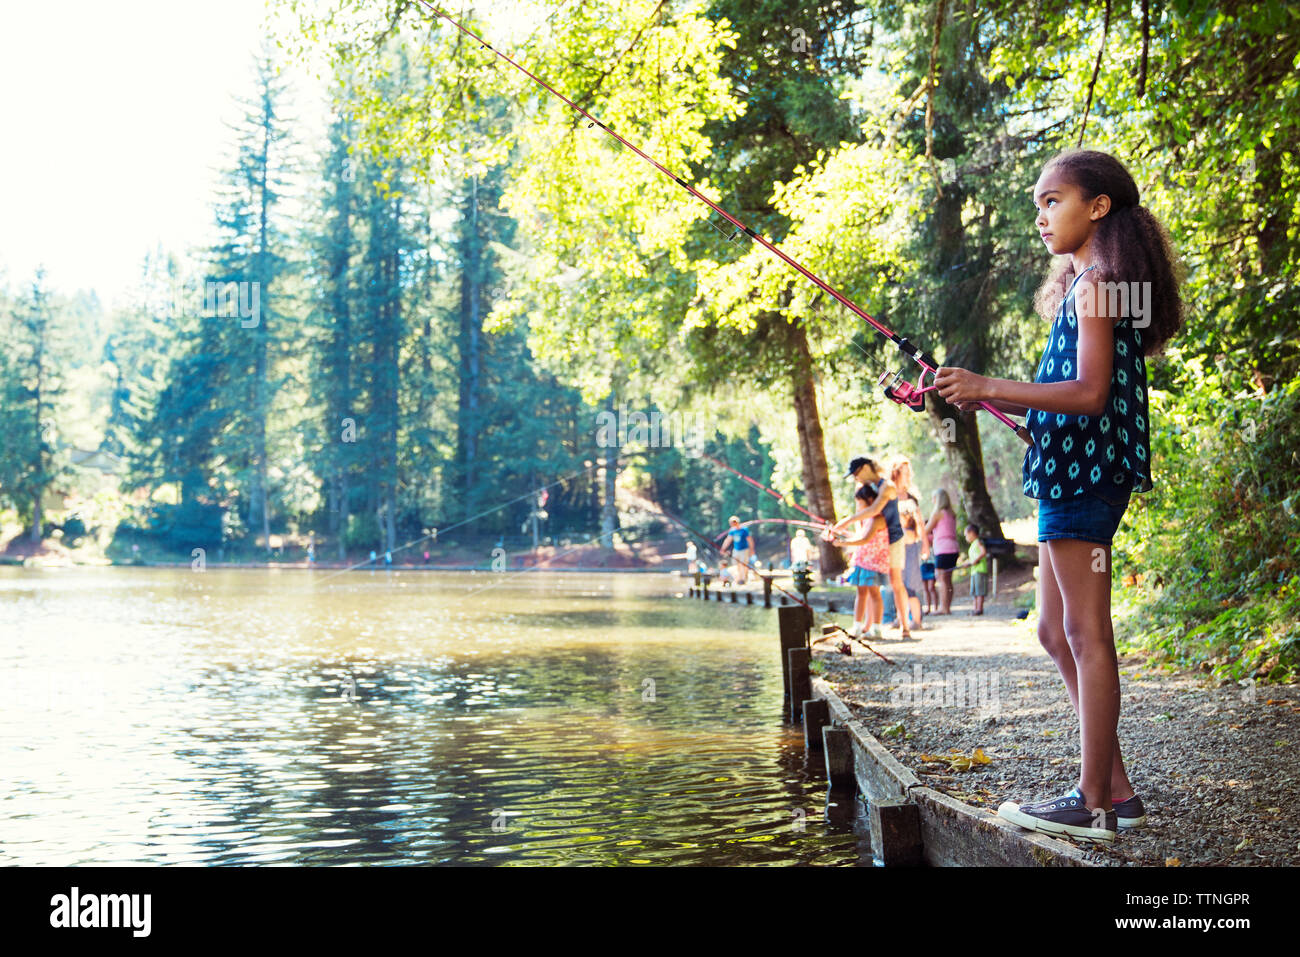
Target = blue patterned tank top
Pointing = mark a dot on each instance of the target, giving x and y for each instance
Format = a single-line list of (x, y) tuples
[(1072, 454)]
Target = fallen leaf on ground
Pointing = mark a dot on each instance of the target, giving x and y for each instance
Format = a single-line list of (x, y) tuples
[(958, 761), (1173, 862)]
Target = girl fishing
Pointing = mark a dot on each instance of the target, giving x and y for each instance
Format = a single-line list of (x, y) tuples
[(1087, 411), (865, 471), (869, 566)]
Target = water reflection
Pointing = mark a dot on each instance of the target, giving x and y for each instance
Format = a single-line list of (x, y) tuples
[(238, 717)]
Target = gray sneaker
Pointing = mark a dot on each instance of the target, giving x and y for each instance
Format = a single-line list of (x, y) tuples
[(1130, 815), (1067, 815)]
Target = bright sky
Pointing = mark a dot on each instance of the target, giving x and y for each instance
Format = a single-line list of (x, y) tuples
[(113, 129)]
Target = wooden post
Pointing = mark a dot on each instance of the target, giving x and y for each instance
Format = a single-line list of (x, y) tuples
[(734, 599), (830, 605), (839, 758), (800, 681), (790, 640), (767, 591), (896, 833), (816, 715), (749, 598), (795, 621), (994, 589)]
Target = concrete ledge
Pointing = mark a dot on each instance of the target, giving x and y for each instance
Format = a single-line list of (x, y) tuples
[(953, 834)]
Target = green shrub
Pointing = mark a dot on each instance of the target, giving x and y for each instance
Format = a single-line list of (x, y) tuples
[(1216, 543)]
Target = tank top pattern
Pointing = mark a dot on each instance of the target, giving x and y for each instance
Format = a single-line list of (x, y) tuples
[(874, 555), (1074, 454)]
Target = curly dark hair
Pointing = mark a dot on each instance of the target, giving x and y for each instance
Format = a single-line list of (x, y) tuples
[(1130, 245)]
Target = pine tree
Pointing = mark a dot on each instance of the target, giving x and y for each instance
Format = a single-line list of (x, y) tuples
[(334, 380), (32, 385), (213, 418)]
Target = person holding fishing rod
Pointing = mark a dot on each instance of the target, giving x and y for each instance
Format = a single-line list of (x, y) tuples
[(869, 566), (1088, 416), (865, 471)]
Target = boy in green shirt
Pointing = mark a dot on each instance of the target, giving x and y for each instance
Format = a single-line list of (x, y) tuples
[(978, 560)]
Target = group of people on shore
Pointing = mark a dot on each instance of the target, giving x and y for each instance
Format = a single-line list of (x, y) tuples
[(895, 546)]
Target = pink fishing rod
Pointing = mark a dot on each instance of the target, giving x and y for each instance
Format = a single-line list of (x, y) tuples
[(764, 521), (691, 531), (763, 488), (900, 391)]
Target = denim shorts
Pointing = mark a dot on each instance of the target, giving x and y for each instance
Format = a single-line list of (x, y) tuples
[(1091, 517)]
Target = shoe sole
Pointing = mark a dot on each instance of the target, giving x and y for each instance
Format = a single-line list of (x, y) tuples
[(1010, 811), (1131, 823)]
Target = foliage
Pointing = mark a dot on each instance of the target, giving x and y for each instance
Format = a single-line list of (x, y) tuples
[(1221, 554)]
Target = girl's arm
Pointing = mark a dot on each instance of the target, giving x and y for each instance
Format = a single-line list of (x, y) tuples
[(876, 525), (860, 513), (1010, 408), (1084, 395), (873, 509), (934, 520)]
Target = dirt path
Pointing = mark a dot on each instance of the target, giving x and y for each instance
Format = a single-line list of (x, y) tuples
[(1215, 766)]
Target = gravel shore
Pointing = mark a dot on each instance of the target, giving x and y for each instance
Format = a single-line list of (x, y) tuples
[(1215, 766)]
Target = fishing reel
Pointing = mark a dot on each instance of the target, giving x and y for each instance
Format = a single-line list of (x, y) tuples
[(903, 392)]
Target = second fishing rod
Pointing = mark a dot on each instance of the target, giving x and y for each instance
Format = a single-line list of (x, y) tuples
[(900, 390)]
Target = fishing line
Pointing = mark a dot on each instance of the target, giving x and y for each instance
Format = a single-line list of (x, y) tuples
[(900, 390), (704, 538), (473, 518), (533, 568), (758, 485), (783, 521)]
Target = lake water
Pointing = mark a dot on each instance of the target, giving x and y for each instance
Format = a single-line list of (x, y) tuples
[(166, 716)]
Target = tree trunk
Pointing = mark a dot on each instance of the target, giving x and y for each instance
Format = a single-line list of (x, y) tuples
[(40, 437), (343, 492), (470, 332), (260, 402), (812, 451), (963, 315), (959, 435), (609, 510)]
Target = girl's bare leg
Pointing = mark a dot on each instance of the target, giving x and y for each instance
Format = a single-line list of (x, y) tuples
[(945, 590), (1056, 562)]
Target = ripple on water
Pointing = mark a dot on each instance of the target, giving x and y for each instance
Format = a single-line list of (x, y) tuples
[(156, 716)]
